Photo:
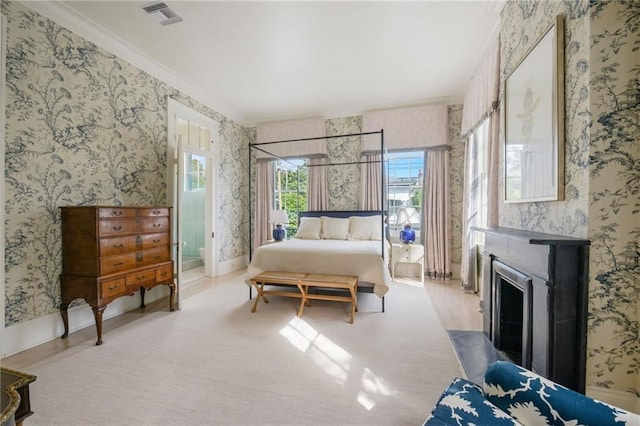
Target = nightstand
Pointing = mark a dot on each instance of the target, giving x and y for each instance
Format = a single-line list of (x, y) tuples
[(407, 253)]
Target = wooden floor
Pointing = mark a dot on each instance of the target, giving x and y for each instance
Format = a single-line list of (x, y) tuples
[(456, 309)]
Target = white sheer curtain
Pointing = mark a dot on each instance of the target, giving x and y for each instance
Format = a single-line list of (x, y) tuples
[(480, 103), (264, 201), (371, 182), (437, 214), (317, 192)]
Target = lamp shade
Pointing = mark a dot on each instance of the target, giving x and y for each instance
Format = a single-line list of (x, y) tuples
[(278, 216), (407, 215)]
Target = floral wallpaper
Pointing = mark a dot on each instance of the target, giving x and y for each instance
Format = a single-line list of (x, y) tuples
[(83, 128), (602, 171), (456, 158), (344, 180)]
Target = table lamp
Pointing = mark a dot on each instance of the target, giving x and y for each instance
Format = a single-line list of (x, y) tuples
[(407, 216), (278, 217)]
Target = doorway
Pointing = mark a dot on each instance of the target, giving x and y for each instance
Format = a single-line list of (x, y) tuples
[(191, 190)]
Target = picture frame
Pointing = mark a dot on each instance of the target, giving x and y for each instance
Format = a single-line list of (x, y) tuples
[(534, 122)]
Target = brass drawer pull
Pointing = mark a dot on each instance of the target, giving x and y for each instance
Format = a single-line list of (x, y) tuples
[(156, 257), (157, 225), (156, 212), (140, 277), (118, 245), (117, 228), (118, 263), (164, 273), (116, 213), (156, 241), (112, 287)]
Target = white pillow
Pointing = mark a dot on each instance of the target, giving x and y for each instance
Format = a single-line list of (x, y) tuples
[(309, 228), (335, 228), (365, 227)]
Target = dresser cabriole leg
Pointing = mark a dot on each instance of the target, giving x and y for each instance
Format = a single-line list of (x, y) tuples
[(97, 313), (64, 313)]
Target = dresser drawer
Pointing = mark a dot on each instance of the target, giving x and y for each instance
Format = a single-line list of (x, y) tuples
[(110, 246), (119, 245), (117, 263), (164, 273), (112, 288), (114, 227), (152, 224), (115, 212), (148, 276), (153, 211), (148, 241), (154, 255)]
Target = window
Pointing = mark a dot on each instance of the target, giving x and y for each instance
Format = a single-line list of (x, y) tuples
[(404, 191), (196, 176), (290, 190), (478, 205)]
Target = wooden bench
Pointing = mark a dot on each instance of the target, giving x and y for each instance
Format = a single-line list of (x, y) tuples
[(303, 282)]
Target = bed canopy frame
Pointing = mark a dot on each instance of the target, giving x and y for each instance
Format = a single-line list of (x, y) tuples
[(259, 146)]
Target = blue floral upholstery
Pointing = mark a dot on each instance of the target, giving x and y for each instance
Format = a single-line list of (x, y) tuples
[(512, 395), (464, 403)]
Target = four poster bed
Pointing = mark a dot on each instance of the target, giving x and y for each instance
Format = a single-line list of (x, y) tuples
[(349, 243)]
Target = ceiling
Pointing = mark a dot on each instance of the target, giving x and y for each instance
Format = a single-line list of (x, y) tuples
[(272, 60)]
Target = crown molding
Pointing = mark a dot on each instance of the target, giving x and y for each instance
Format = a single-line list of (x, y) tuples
[(90, 30)]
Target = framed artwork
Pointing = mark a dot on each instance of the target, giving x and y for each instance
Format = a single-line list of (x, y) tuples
[(534, 122)]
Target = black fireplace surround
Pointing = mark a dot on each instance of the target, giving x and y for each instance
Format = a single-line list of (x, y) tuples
[(535, 301)]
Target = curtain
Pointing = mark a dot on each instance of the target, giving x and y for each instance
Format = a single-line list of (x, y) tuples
[(437, 214), (480, 103), (264, 202), (371, 182), (317, 198), (309, 129), (406, 128)]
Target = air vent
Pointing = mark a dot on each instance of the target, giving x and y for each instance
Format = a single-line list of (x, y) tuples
[(160, 12)]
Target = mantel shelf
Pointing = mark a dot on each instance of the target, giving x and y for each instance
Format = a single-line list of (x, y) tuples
[(531, 237)]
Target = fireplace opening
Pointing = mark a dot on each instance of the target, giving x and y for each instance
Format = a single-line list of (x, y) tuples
[(510, 321), (511, 324)]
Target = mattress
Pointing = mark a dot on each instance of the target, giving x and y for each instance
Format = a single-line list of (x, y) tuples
[(363, 259)]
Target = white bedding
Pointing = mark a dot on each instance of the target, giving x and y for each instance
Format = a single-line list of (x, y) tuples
[(342, 257)]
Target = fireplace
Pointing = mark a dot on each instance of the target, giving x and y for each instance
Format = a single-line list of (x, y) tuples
[(512, 313), (535, 301)]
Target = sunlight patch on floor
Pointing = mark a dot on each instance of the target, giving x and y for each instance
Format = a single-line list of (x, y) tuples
[(333, 360)]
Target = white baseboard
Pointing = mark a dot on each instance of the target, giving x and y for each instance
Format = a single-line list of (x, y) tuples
[(26, 335), (625, 400)]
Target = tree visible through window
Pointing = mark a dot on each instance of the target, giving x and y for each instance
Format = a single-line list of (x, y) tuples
[(290, 190)]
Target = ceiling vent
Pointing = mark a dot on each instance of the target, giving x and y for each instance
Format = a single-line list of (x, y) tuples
[(161, 13)]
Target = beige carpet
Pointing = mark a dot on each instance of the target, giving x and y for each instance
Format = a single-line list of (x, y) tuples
[(216, 363)]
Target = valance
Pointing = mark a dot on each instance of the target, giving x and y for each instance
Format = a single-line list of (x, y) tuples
[(288, 130), (482, 95), (412, 127)]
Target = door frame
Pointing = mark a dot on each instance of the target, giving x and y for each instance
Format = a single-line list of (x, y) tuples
[(176, 109)]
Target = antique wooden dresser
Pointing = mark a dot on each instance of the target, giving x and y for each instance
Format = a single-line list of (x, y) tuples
[(108, 252)]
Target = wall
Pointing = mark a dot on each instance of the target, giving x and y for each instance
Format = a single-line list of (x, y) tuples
[(85, 127), (601, 171)]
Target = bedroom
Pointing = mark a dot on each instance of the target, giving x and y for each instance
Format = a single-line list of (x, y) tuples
[(28, 305)]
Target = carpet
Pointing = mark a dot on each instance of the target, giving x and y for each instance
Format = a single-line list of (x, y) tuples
[(216, 363), (475, 352)]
